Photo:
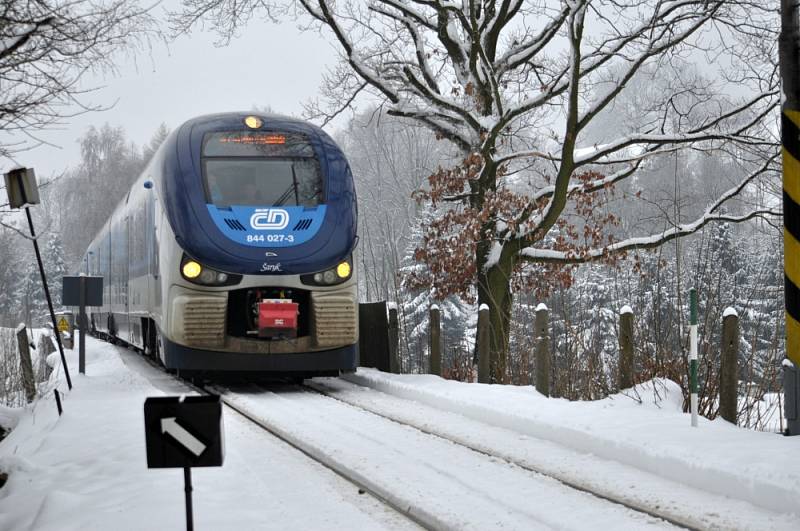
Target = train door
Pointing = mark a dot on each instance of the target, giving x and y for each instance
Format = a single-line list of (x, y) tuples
[(149, 237), (157, 300), (125, 272)]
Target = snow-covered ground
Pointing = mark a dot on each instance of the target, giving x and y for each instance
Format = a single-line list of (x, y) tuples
[(638, 446), (87, 470)]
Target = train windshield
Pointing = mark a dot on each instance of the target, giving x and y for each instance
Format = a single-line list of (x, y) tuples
[(254, 168)]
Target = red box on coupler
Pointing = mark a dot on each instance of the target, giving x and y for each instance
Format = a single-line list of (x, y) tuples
[(277, 318)]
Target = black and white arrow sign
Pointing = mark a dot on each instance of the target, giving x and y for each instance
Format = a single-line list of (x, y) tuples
[(170, 426), (183, 431)]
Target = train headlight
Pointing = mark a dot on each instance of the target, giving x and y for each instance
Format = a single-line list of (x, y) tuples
[(205, 276), (343, 270), (253, 122), (191, 269), (330, 277)]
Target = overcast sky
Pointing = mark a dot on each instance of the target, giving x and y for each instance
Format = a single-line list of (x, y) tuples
[(268, 65)]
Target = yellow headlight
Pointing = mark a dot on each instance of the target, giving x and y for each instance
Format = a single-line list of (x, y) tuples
[(192, 269), (253, 122), (343, 270)]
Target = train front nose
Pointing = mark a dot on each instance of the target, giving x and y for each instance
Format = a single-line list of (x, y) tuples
[(276, 210)]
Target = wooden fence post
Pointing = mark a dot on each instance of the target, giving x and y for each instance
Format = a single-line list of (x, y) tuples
[(542, 350), (25, 363), (435, 338), (482, 338), (394, 340), (45, 348), (729, 366), (626, 347)]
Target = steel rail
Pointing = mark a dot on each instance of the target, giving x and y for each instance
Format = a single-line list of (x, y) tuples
[(567, 482)]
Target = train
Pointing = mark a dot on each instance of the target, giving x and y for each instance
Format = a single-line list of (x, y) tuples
[(233, 251)]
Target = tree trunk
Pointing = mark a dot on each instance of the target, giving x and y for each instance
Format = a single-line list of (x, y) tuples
[(494, 290)]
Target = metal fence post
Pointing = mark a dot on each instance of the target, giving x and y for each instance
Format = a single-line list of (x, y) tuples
[(693, 355)]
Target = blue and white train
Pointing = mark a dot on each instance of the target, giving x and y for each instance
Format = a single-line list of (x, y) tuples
[(233, 251)]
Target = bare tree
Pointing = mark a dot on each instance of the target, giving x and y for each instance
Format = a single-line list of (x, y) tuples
[(390, 158), (514, 84), (46, 48)]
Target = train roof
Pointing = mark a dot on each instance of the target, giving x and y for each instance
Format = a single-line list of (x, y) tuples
[(180, 185)]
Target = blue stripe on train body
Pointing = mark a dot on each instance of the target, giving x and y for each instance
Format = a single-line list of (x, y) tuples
[(201, 231)]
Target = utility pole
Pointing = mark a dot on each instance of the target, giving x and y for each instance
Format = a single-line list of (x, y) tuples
[(789, 51)]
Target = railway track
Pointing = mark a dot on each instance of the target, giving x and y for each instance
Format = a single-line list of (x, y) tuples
[(617, 483), (488, 508), (173, 384), (568, 482), (435, 477), (361, 483)]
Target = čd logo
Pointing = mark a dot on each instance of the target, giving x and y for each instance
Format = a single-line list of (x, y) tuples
[(269, 219)]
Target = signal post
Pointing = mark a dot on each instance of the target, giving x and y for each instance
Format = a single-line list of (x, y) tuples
[(789, 47)]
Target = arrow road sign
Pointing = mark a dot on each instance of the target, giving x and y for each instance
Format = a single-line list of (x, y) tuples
[(170, 425), (183, 431)]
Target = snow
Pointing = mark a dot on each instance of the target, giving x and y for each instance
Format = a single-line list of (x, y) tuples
[(787, 363), (542, 307), (87, 469), (729, 311), (20, 328), (483, 307), (434, 307), (718, 458), (494, 255), (542, 253), (391, 306), (9, 418), (626, 309)]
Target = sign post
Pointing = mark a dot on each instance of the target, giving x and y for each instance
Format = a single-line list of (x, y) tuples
[(184, 432), (789, 52), (82, 291), (693, 354), (23, 192)]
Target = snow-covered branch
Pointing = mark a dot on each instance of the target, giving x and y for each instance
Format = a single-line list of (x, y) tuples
[(658, 239), (645, 242)]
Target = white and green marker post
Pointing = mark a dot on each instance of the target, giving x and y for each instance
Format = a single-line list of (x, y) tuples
[(693, 353)]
